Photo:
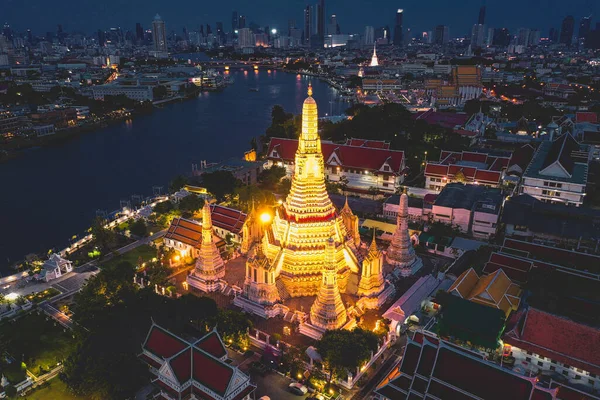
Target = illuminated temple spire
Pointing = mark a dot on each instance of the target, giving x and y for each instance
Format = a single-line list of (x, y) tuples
[(371, 280), (351, 222), (328, 311), (209, 265), (401, 253), (374, 61)]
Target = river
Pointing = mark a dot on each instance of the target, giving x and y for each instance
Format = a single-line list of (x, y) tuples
[(53, 193)]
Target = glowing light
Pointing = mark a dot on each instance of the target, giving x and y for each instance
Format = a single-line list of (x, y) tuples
[(265, 218), (299, 376), (176, 258), (11, 296), (255, 67), (273, 31)]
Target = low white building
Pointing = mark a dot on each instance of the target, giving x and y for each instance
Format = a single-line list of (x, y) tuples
[(558, 172), (55, 267)]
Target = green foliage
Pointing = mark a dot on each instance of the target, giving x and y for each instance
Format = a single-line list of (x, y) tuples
[(220, 183), (178, 183), (247, 195), (344, 350), (105, 238), (233, 325), (164, 207), (283, 124), (138, 228), (269, 178), (191, 204), (10, 391)]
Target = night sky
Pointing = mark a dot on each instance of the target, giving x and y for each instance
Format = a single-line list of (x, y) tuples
[(419, 15)]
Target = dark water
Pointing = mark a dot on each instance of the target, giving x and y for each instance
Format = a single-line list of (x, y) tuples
[(53, 193)]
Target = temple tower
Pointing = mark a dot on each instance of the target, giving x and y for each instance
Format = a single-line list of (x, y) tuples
[(259, 285), (401, 253), (374, 61), (371, 281), (351, 223), (328, 311), (209, 265), (252, 231), (296, 239)]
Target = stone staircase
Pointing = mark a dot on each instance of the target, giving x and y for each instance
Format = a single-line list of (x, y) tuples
[(283, 293), (290, 316)]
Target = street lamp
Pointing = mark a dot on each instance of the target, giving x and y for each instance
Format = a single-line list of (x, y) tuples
[(274, 31)]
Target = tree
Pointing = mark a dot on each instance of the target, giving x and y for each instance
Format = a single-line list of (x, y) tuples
[(284, 186), (178, 183), (220, 183), (104, 237), (10, 391), (163, 207), (138, 228), (344, 351), (269, 178), (191, 203), (233, 325)]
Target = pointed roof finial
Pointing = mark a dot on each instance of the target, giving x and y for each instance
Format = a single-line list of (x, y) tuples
[(310, 91), (373, 247)]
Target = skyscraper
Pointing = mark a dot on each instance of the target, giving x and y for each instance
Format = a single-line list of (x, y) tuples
[(369, 37), (242, 22), (245, 38), (566, 30), (523, 37), (234, 21), (332, 26), (398, 34), (481, 19), (501, 37), (442, 34), (291, 25), (321, 21), (584, 27), (308, 31), (159, 34), (101, 38), (477, 35), (139, 32)]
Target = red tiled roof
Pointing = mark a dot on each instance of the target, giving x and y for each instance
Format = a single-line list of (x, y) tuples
[(543, 394), (402, 382), (212, 344), (560, 339), (211, 372), (375, 144), (360, 157), (410, 359), (515, 275), (181, 365), (428, 354), (568, 393), (474, 377), (586, 117), (162, 343), (150, 361), (444, 119), (185, 231), (227, 218)]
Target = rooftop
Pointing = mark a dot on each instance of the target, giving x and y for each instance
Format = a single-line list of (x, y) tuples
[(470, 197)]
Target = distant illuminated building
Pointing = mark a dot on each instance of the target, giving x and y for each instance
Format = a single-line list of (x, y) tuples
[(374, 61), (159, 34)]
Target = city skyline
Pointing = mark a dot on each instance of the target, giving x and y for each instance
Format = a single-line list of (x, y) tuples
[(417, 16)]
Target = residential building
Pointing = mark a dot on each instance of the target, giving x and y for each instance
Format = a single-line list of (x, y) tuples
[(139, 92), (473, 209), (480, 168), (245, 38), (566, 31), (193, 369), (364, 164), (542, 342), (558, 172), (493, 290), (442, 35), (159, 34)]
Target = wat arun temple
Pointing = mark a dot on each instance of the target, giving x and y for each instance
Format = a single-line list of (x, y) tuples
[(309, 260)]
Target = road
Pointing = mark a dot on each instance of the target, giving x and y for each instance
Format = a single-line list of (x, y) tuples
[(275, 386)]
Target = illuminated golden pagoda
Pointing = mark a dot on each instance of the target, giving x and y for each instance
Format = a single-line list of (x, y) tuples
[(351, 223), (210, 268), (371, 279), (252, 231), (296, 239), (259, 285), (328, 311)]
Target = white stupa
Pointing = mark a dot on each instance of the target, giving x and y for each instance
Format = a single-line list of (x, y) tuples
[(374, 61)]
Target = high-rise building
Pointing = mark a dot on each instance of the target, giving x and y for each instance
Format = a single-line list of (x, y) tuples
[(220, 32), (398, 33), (7, 32), (159, 34), (139, 32), (501, 37), (534, 37), (523, 37), (101, 37), (291, 25), (234, 21), (242, 22), (308, 24), (477, 35), (566, 30), (584, 27), (332, 25), (208, 30), (442, 34), (369, 37), (553, 35), (481, 18), (321, 21), (29, 36), (245, 38)]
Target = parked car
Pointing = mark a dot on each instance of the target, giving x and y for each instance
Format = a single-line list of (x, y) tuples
[(298, 388)]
